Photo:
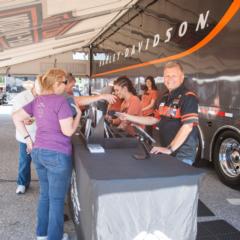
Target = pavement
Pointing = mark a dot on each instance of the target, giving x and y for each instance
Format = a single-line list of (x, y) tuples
[(18, 212), (223, 201)]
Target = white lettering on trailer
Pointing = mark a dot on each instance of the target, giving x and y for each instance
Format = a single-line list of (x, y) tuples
[(140, 44), (126, 52), (182, 30), (202, 21), (156, 40), (133, 50), (118, 54), (147, 43), (106, 61), (114, 55), (168, 34)]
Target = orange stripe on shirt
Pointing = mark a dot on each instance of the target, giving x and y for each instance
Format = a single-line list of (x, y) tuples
[(191, 94), (189, 115), (188, 118)]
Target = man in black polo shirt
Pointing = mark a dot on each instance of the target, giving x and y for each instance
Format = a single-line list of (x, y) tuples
[(176, 117)]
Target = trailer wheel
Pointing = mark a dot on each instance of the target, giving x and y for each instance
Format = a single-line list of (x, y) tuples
[(227, 158)]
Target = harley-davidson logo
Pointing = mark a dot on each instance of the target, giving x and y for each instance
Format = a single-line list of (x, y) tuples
[(155, 40)]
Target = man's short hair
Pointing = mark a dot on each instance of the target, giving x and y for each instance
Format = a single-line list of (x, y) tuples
[(70, 78), (173, 64)]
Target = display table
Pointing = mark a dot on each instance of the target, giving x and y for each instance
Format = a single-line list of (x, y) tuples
[(122, 198)]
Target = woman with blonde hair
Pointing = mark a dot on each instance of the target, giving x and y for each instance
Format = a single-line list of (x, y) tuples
[(51, 151)]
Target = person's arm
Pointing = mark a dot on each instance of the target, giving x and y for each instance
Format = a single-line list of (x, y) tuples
[(189, 118), (181, 136), (138, 119), (69, 125), (19, 117), (151, 105), (178, 140), (86, 100), (17, 104)]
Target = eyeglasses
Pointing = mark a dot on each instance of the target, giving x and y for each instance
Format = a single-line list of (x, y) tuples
[(65, 82)]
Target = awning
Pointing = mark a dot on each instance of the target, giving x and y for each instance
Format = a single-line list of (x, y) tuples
[(34, 29)]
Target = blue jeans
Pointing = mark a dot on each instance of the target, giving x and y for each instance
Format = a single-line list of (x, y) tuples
[(24, 166), (54, 171)]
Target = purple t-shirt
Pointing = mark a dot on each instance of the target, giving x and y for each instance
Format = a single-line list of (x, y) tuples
[(48, 110)]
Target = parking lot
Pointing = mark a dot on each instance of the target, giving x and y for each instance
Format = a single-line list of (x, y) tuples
[(17, 218)]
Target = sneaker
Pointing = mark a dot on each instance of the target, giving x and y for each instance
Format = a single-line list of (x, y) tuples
[(20, 189), (41, 238), (65, 236)]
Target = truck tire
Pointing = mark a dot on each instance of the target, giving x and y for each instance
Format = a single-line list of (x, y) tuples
[(226, 157)]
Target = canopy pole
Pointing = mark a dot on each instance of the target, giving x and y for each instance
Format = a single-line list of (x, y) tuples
[(90, 69)]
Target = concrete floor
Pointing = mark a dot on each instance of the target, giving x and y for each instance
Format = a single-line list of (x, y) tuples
[(17, 213), (223, 201)]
